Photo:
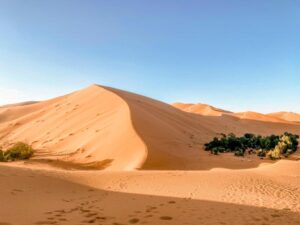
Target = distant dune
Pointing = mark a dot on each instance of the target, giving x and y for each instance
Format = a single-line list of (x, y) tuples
[(259, 117), (202, 109), (208, 110), (288, 116), (106, 128)]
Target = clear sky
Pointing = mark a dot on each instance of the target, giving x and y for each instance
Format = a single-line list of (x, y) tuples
[(234, 54)]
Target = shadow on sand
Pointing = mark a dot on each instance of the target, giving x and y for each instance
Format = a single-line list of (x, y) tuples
[(37, 197)]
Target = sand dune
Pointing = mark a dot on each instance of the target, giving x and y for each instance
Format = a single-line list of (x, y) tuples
[(259, 117), (90, 142), (288, 116), (207, 110), (91, 127), (202, 109), (100, 127)]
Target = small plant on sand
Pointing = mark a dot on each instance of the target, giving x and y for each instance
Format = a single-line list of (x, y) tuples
[(273, 146), (19, 151)]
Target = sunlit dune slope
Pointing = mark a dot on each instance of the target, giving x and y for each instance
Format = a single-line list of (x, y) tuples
[(106, 128), (91, 126)]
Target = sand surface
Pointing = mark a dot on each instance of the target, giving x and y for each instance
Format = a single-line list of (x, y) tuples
[(288, 116), (106, 156), (255, 196)]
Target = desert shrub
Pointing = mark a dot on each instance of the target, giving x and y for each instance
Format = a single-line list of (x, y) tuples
[(275, 153), (288, 152), (19, 151), (213, 144), (1, 156), (215, 151), (239, 153), (286, 145), (221, 149), (293, 141), (273, 146), (261, 153)]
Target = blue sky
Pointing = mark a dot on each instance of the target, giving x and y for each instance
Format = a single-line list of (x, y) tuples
[(237, 55)]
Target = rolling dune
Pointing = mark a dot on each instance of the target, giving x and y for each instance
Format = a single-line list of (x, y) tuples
[(259, 117), (288, 116), (202, 109)]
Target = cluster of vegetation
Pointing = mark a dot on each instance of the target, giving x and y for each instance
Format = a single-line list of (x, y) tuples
[(272, 146), (19, 151)]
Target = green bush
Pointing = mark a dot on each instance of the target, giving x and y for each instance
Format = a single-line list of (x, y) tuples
[(215, 151), (1, 156), (261, 153), (239, 153), (19, 151), (273, 146), (288, 152)]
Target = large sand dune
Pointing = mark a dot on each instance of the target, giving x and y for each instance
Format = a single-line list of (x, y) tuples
[(100, 127), (92, 127)]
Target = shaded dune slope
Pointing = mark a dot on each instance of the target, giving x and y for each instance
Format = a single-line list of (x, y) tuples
[(102, 127), (175, 138)]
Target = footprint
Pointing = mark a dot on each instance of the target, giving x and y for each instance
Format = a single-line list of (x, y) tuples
[(91, 214), (134, 220), (101, 218), (166, 218), (92, 221)]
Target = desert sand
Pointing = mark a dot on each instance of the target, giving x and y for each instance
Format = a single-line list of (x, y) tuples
[(288, 116), (107, 156)]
